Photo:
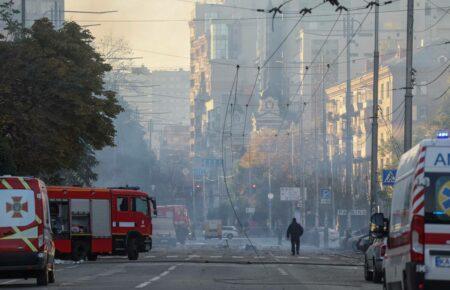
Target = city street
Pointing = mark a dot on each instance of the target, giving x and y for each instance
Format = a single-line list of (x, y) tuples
[(209, 265)]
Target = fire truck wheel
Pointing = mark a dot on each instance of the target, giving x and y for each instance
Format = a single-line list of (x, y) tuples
[(43, 277), (132, 249)]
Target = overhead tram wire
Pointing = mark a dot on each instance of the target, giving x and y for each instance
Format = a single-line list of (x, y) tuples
[(442, 95), (233, 108), (221, 19), (225, 179), (317, 53), (248, 104), (303, 12)]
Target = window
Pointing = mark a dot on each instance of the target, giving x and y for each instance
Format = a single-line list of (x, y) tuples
[(122, 204), (139, 205)]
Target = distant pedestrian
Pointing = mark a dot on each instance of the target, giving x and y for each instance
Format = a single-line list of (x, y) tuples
[(294, 232)]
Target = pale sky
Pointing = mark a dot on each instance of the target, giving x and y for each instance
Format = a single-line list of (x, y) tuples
[(164, 37)]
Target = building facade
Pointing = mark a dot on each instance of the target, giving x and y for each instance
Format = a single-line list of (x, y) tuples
[(37, 9), (428, 62)]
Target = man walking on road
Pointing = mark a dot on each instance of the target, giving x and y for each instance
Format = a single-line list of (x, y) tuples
[(295, 231)]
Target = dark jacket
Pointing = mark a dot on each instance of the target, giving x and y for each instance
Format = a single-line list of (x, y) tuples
[(295, 231)]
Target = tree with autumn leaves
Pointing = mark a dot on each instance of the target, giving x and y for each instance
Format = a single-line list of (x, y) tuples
[(264, 145)]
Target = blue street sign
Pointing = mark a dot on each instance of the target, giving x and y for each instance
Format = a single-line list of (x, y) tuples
[(389, 177), (325, 196)]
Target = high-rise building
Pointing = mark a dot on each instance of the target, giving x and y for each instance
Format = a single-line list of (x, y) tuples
[(37, 9)]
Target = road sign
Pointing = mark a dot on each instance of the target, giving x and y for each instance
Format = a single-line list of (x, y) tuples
[(354, 212), (290, 194), (250, 210), (342, 212), (270, 195), (358, 212), (389, 177), (325, 196)]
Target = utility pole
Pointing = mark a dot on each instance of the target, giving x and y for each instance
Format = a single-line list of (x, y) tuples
[(302, 161), (270, 192), (204, 196), (23, 12), (316, 161), (348, 123), (374, 153), (409, 76), (325, 150)]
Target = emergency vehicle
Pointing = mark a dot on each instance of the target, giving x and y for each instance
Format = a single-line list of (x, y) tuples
[(180, 218), (88, 222), (418, 244), (26, 246)]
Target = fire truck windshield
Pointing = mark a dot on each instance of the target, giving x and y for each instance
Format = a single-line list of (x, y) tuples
[(437, 203), (140, 205)]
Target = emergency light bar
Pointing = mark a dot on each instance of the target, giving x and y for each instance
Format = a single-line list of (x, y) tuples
[(442, 134)]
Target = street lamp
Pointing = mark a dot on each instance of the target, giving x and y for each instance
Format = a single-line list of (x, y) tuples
[(270, 197)]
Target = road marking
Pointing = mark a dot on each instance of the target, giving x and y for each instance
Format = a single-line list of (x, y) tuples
[(260, 257), (281, 257), (171, 257), (237, 257), (9, 282), (300, 257), (216, 257), (194, 256), (156, 278), (164, 273), (150, 256), (282, 272), (324, 258)]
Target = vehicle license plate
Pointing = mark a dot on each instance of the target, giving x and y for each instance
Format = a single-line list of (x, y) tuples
[(443, 262)]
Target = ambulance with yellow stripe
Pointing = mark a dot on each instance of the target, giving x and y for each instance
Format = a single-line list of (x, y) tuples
[(26, 246)]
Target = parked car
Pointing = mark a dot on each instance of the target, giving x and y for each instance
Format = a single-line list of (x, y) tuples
[(373, 260), (230, 232)]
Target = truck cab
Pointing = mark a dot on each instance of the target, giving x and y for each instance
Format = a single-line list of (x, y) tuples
[(418, 244), (26, 245)]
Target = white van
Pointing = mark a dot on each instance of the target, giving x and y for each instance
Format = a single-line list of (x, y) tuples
[(418, 247)]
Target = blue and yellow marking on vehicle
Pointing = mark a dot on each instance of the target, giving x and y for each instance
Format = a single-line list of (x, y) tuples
[(444, 197)]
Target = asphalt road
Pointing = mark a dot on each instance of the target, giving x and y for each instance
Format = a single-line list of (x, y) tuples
[(212, 267), (311, 271)]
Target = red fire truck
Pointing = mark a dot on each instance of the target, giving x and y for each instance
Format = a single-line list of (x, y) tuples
[(88, 222), (180, 217)]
